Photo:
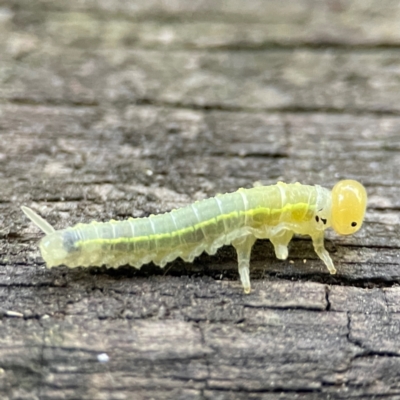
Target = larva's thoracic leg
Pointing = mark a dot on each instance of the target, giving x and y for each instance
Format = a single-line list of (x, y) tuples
[(280, 243), (243, 249), (318, 243)]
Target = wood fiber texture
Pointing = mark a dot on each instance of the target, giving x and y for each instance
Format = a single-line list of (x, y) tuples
[(113, 108)]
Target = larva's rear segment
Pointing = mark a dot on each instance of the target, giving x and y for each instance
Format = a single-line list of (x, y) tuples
[(54, 247)]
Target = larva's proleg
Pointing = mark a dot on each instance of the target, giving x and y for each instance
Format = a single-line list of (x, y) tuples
[(275, 212)]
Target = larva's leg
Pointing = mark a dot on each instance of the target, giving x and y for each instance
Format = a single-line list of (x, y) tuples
[(280, 243), (318, 242), (243, 249)]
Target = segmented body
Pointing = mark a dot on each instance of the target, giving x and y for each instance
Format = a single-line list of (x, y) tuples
[(274, 212), (203, 226)]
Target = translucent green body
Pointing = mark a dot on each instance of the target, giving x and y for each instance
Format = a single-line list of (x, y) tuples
[(274, 212)]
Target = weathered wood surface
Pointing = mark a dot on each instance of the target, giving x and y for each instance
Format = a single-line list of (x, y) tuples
[(116, 108)]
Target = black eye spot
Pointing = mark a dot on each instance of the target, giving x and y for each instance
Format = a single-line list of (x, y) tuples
[(354, 224), (324, 220), (317, 218)]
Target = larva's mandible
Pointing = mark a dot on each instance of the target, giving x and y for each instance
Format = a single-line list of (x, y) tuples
[(265, 212)]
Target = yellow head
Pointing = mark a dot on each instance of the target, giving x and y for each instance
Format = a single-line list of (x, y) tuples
[(349, 201)]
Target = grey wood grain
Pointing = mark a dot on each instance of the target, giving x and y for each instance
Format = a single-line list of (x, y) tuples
[(112, 109)]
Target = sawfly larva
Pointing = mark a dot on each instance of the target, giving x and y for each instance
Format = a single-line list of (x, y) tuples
[(265, 212)]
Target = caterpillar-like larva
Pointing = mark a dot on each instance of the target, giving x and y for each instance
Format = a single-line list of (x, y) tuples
[(265, 212)]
